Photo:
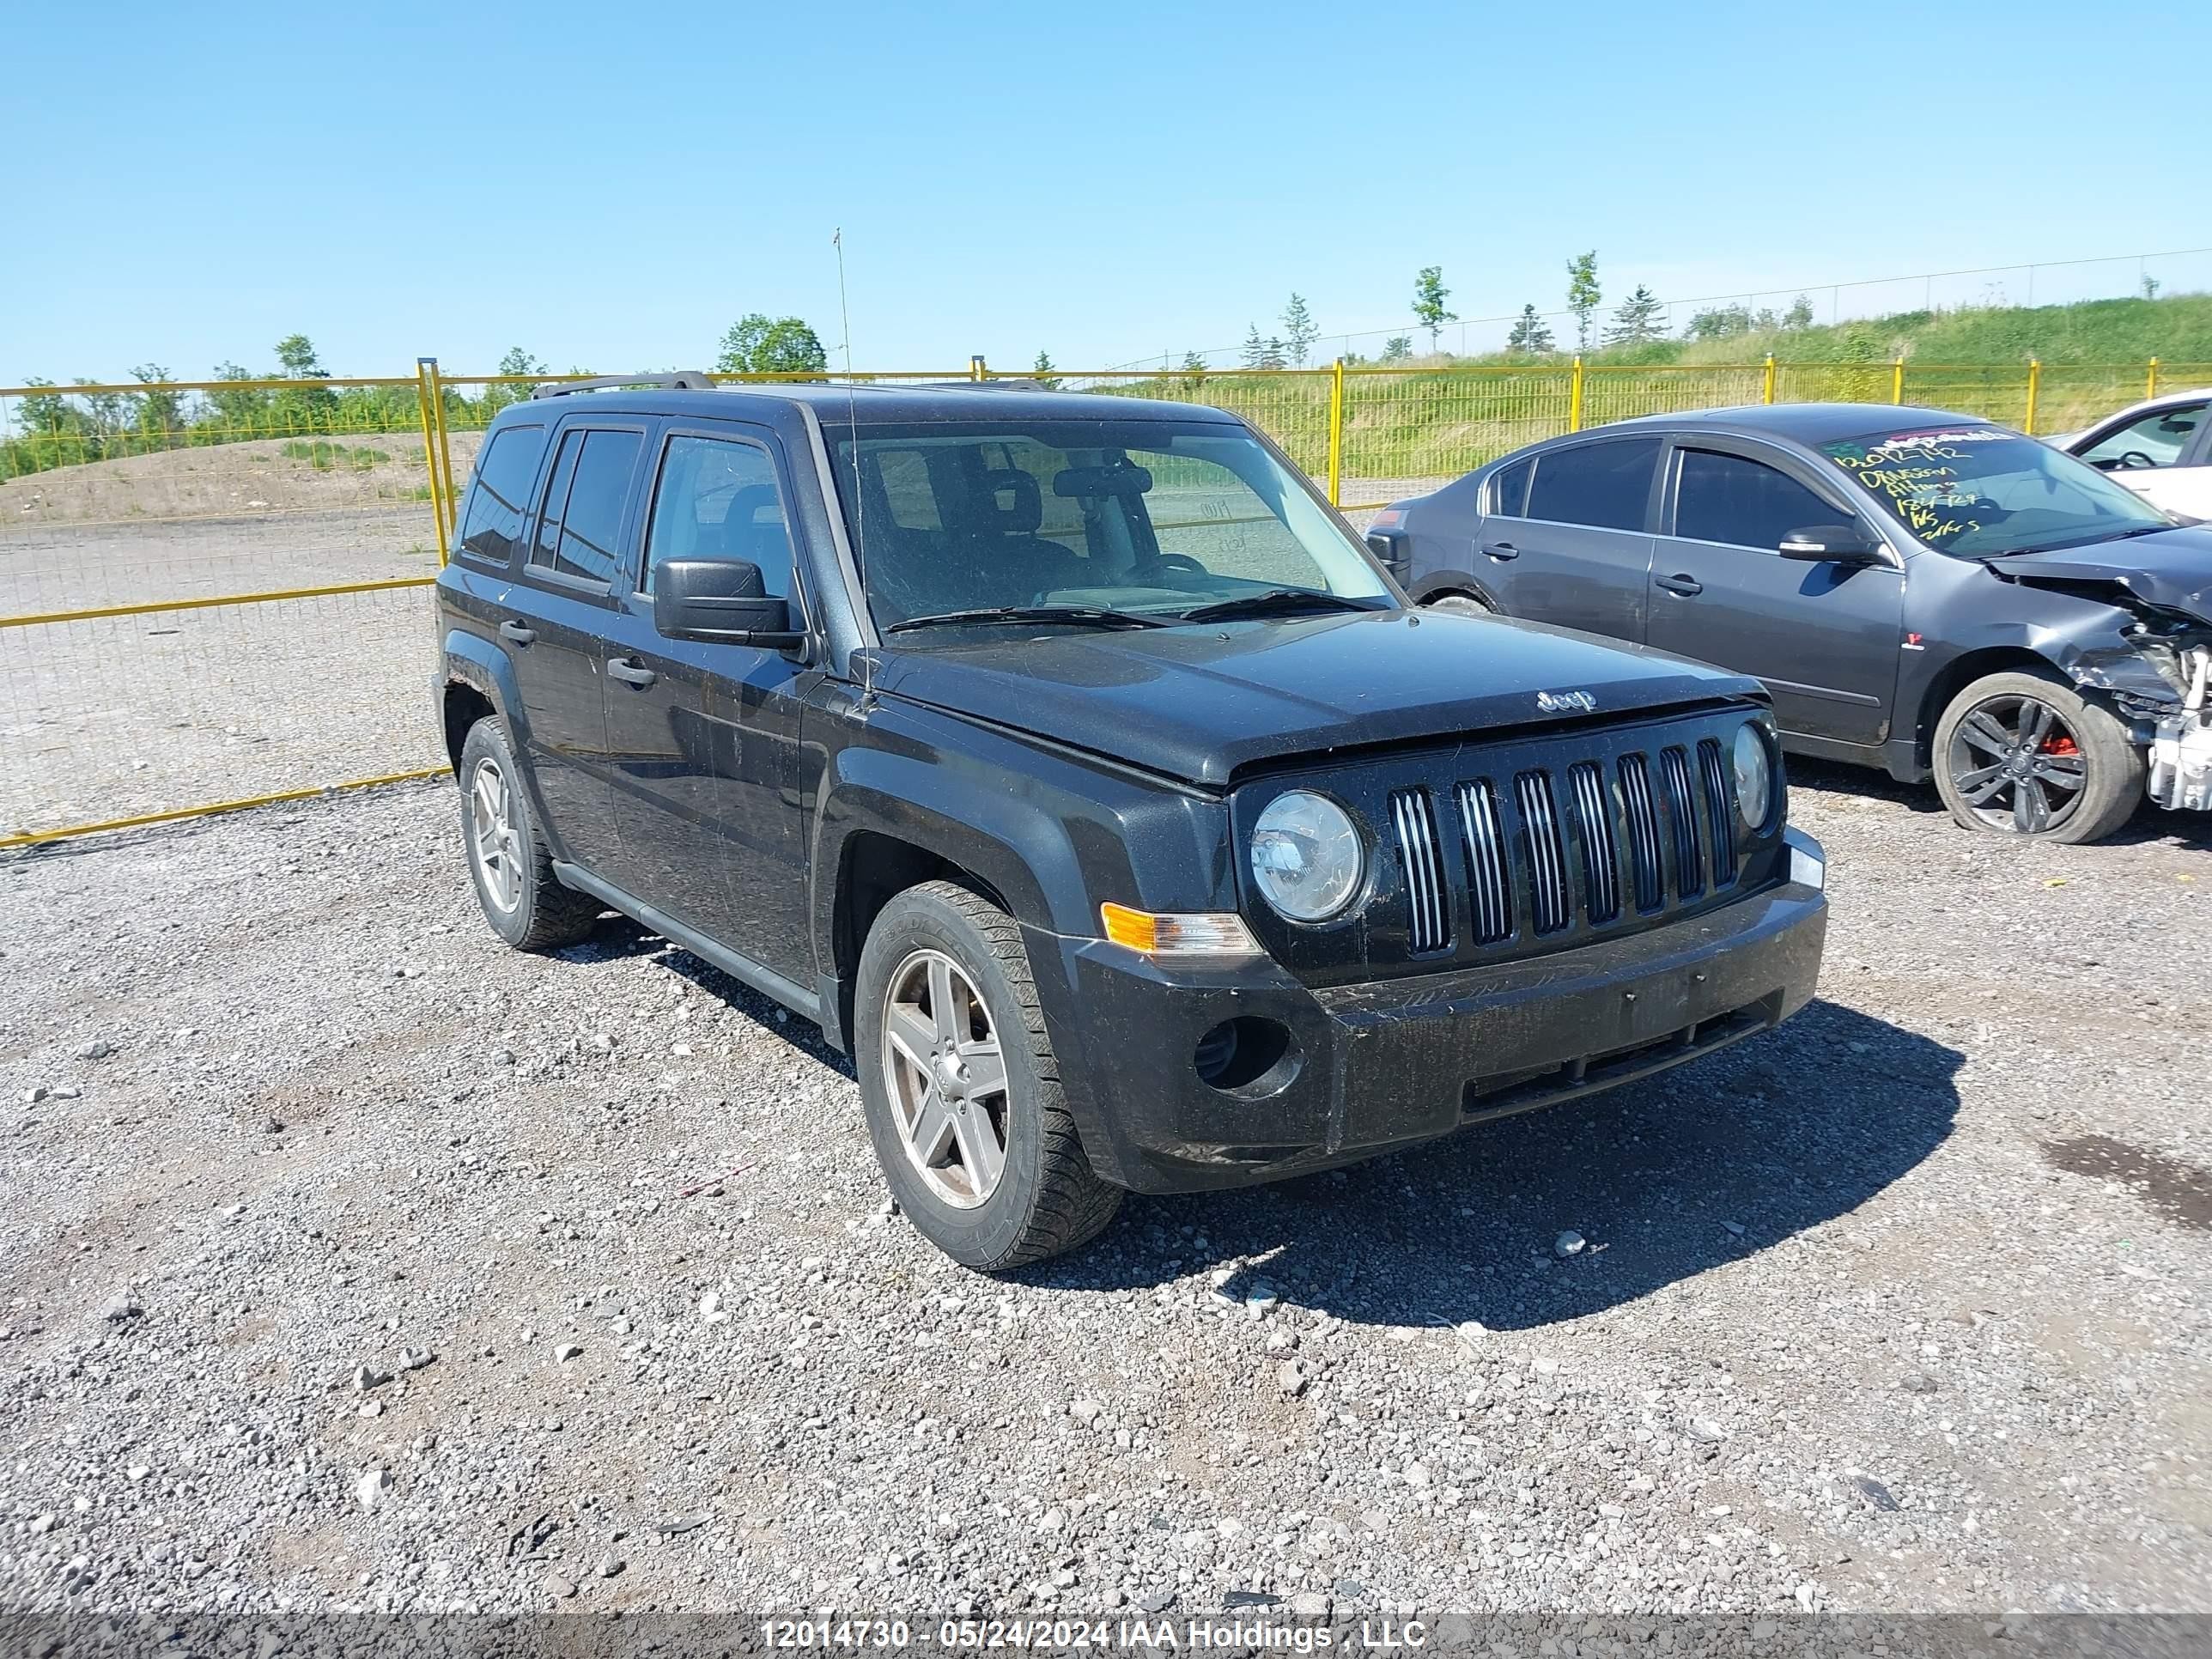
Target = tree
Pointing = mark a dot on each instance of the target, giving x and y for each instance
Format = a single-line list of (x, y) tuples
[(1642, 317), (759, 344), (1256, 349), (161, 414), (740, 341), (1582, 295), (1397, 348), (517, 365), (1298, 330), (790, 347), (1429, 296), (2150, 286), (1799, 314), (1044, 374), (235, 411), (1530, 332), (1719, 323), (296, 358)]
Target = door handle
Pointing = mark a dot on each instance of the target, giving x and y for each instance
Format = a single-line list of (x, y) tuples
[(1501, 550), (1683, 586), (630, 671), (512, 629)]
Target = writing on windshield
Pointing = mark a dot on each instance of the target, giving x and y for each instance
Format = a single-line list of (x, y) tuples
[(1916, 473), (1982, 491)]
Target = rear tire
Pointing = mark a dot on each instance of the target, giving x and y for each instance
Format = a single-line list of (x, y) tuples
[(961, 1090), (2025, 754), (509, 863)]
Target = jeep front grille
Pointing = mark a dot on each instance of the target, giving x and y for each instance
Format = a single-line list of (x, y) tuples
[(1682, 814), (1720, 810), (1429, 926), (1489, 887), (1643, 833), (1548, 853), (1600, 853), (1493, 850), (1586, 846)]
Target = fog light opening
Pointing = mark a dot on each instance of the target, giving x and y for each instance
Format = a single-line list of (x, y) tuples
[(1248, 1057)]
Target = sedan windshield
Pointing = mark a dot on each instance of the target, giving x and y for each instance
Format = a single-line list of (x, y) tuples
[(1086, 523), (1981, 490)]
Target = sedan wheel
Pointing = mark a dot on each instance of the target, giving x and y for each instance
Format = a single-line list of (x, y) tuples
[(947, 1079), (2023, 753), (2017, 762)]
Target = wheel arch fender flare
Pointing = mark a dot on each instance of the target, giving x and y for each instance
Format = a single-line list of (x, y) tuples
[(1436, 584), (472, 663)]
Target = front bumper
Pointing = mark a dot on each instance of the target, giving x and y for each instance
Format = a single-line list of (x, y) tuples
[(1373, 1067)]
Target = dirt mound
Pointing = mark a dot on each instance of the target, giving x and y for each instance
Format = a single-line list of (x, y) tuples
[(232, 480)]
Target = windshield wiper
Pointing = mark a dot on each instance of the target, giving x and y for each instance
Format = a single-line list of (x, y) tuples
[(2093, 541), (1274, 599), (1080, 616)]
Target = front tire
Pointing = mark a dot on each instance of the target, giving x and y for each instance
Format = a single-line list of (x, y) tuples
[(509, 863), (961, 1087), (2025, 754)]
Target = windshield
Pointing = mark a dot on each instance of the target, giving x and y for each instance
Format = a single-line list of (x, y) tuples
[(1980, 490), (1141, 521)]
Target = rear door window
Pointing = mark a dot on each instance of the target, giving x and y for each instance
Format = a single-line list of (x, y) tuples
[(504, 472), (581, 520), (1743, 502), (1606, 485)]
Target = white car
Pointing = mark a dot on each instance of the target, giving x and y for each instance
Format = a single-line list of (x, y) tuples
[(2160, 449)]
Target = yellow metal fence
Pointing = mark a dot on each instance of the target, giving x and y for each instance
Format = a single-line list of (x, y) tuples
[(211, 593)]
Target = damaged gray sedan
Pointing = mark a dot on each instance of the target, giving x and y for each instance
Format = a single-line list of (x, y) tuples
[(1920, 591)]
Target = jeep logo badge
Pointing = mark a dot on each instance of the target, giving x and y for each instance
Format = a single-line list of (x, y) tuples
[(1561, 703)]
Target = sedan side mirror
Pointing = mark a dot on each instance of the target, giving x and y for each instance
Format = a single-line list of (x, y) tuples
[(722, 602), (1821, 543)]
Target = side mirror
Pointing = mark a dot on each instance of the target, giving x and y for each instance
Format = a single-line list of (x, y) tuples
[(1822, 543), (722, 602)]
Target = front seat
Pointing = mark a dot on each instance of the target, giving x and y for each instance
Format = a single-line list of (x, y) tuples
[(1014, 562)]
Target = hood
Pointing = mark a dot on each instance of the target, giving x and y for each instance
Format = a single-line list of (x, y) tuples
[(2169, 569), (1200, 702)]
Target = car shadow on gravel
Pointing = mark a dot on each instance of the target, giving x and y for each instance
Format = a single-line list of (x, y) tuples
[(1664, 1180)]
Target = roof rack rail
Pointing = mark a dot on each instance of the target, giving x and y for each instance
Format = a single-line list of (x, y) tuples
[(681, 380)]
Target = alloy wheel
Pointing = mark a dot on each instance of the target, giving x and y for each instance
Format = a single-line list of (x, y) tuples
[(946, 1078), (495, 837), (2018, 764)]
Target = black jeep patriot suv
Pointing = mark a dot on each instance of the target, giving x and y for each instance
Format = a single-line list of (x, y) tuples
[(1073, 764)]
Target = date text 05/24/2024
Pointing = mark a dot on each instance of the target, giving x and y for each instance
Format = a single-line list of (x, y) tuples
[(1065, 1634)]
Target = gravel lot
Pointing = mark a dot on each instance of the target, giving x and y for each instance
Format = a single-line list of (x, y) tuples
[(1900, 1308)]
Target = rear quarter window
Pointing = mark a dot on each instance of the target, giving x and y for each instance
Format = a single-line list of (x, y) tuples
[(504, 472), (1509, 490)]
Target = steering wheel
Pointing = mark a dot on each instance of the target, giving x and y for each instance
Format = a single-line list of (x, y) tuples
[(1181, 561), (2133, 459)]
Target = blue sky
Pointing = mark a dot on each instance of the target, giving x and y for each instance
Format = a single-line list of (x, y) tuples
[(610, 186)]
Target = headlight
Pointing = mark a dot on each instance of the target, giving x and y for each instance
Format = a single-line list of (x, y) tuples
[(1306, 856), (1754, 776)]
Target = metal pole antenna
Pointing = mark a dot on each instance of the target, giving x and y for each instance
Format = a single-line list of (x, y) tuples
[(844, 313)]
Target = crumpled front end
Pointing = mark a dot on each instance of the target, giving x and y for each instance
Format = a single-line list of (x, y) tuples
[(2180, 776)]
